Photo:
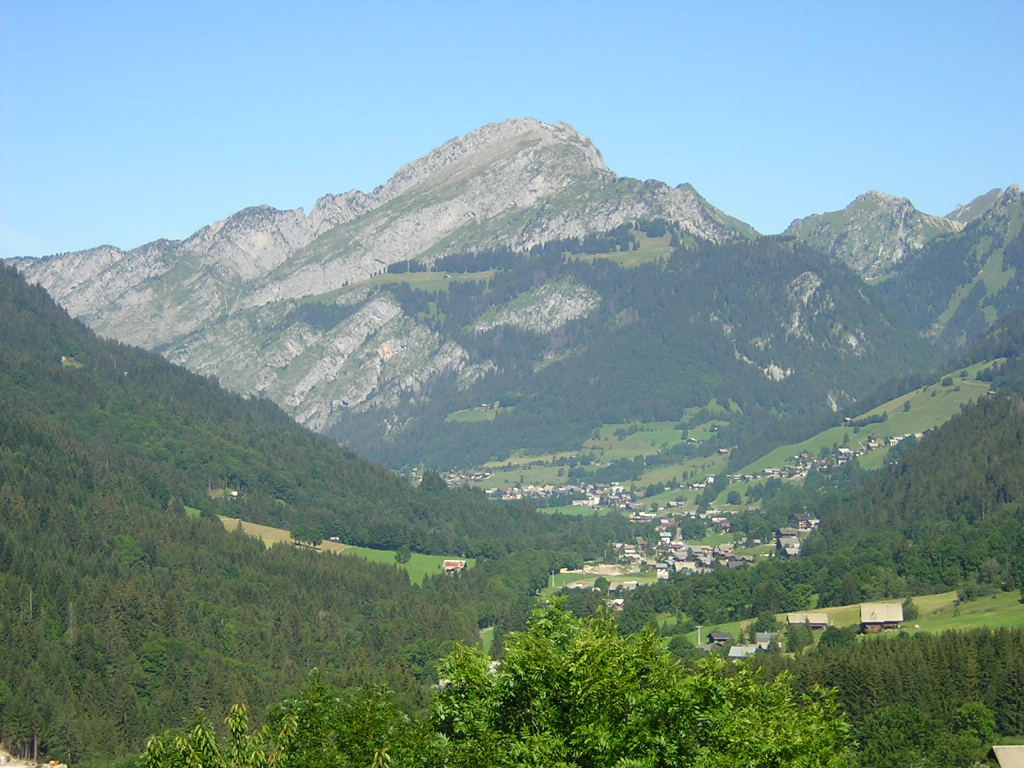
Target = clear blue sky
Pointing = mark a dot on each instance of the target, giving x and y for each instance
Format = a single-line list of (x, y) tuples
[(123, 122)]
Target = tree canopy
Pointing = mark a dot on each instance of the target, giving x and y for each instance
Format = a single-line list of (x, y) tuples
[(569, 692)]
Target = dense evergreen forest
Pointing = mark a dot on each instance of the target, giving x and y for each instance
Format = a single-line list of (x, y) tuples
[(122, 615), (932, 700), (184, 437)]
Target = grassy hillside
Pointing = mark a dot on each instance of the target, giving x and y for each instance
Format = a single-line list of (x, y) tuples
[(929, 406), (418, 567), (938, 613)]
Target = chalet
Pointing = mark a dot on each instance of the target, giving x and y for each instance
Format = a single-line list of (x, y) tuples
[(765, 639), (816, 620), (454, 566), (743, 651), (1008, 755), (788, 545), (721, 638), (876, 617), (806, 522)]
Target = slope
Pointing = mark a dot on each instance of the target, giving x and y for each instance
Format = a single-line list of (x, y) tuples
[(122, 613), (769, 325), (185, 437)]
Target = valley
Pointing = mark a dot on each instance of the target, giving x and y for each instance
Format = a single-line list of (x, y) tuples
[(511, 402)]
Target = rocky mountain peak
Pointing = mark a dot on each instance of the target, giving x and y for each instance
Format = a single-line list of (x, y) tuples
[(977, 207), (873, 232), (494, 144)]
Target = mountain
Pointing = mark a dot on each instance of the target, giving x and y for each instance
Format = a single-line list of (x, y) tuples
[(512, 267), (768, 326), (182, 436), (516, 183), (874, 232), (976, 208), (958, 284), (229, 300)]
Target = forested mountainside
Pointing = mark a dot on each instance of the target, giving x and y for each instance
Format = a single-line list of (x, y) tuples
[(959, 284), (122, 614), (770, 326), (182, 436), (926, 699)]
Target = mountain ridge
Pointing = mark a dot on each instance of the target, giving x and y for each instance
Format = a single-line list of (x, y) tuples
[(307, 309)]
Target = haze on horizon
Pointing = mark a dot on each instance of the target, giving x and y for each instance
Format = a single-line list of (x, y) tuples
[(122, 123)]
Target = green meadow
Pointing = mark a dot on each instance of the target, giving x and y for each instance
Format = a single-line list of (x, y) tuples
[(930, 406)]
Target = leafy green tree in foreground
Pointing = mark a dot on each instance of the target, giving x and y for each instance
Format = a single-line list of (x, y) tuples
[(569, 692)]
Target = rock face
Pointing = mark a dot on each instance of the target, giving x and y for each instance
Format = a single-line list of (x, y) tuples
[(225, 300), (872, 233)]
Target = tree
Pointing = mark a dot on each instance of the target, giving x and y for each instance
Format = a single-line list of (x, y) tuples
[(976, 719), (798, 636), (576, 692), (910, 611), (403, 554), (307, 534)]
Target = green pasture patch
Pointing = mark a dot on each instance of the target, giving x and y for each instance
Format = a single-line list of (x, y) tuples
[(569, 509), (487, 639), (430, 281), (651, 249), (419, 566), (699, 468), (473, 415), (930, 406), (546, 474), (193, 512), (1002, 609)]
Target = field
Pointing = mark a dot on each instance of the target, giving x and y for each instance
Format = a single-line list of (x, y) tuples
[(470, 415), (559, 580), (937, 613), (651, 249), (418, 567), (431, 281), (930, 406), (609, 443)]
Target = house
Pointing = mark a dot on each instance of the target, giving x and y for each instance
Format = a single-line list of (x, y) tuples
[(743, 651), (816, 620), (738, 561), (806, 522), (875, 617), (1008, 755), (454, 566), (721, 638), (788, 545), (764, 639)]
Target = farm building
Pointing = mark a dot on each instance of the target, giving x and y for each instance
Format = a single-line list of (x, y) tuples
[(875, 617), (816, 620)]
